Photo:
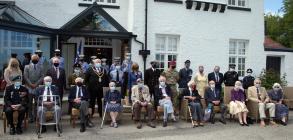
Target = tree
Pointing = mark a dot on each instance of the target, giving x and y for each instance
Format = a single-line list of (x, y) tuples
[(288, 22)]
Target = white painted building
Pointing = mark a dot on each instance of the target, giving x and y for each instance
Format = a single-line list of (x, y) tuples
[(207, 32)]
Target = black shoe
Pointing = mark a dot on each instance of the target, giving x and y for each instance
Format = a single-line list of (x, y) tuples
[(212, 120), (12, 131), (283, 123), (223, 121), (246, 124), (82, 127), (139, 125), (242, 124), (89, 123), (165, 124), (18, 130)]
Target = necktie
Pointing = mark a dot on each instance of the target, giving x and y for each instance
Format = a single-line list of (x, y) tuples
[(35, 67), (79, 92), (217, 77), (258, 95), (215, 93), (48, 95), (117, 76), (57, 73)]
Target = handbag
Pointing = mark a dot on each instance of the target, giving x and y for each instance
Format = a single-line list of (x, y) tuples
[(207, 114), (2, 85)]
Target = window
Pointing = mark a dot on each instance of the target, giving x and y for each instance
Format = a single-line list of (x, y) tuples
[(98, 41), (238, 3), (166, 50), (237, 54), (107, 2)]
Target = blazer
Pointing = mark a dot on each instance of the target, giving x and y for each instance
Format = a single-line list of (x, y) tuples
[(72, 94), (91, 79), (61, 81), (184, 77), (40, 91), (237, 95), (276, 97), (212, 76), (132, 77), (252, 94), (33, 74), (113, 96), (12, 96), (151, 78), (186, 92), (135, 94), (159, 95), (211, 95)]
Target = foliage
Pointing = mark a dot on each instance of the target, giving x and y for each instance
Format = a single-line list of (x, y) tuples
[(269, 77)]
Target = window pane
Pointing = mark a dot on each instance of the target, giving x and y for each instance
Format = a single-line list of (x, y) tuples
[(172, 44), (232, 47), (160, 43), (160, 58)]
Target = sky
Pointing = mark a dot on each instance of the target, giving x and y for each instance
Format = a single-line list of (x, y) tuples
[(273, 6)]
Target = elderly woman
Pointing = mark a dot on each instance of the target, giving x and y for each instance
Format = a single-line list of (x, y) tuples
[(201, 81), (191, 94), (276, 97), (12, 71), (113, 101), (237, 104)]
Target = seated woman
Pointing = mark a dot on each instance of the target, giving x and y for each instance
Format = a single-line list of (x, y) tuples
[(193, 97), (237, 104), (163, 98), (276, 97), (113, 101)]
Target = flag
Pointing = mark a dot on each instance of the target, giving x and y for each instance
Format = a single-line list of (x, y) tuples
[(78, 51)]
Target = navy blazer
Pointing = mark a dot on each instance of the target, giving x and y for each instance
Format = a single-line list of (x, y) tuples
[(213, 96), (186, 92), (72, 94), (211, 76), (184, 77), (12, 96), (40, 91), (61, 81), (113, 96), (159, 95)]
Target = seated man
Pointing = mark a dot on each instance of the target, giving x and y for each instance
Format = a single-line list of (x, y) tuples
[(191, 94), (259, 94), (48, 102), (15, 99), (213, 97), (162, 98), (141, 99), (78, 97)]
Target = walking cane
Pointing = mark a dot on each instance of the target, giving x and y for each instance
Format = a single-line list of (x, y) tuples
[(104, 116), (190, 116)]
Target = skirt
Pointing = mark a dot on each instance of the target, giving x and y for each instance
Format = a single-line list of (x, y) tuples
[(281, 111), (237, 107), (113, 107)]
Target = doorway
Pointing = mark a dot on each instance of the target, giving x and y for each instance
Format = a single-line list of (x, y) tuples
[(99, 52), (274, 63)]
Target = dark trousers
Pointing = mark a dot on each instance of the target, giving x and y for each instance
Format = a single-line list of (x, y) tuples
[(31, 107), (93, 100), (9, 116), (83, 107), (137, 111), (222, 107)]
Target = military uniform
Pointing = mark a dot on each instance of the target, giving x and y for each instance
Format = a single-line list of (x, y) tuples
[(230, 77), (172, 77), (248, 80)]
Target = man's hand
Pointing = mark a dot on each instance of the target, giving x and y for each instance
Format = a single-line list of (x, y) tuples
[(167, 97), (259, 101), (143, 103), (216, 102), (113, 102), (15, 107), (22, 94), (76, 100), (192, 98)]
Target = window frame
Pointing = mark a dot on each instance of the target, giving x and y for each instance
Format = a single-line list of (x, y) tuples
[(236, 3), (105, 2)]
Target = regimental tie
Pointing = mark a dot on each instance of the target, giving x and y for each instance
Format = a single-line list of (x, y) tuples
[(258, 94)]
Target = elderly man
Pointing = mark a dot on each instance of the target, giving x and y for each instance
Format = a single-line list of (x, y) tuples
[(15, 99), (33, 77), (47, 102), (213, 98), (163, 98), (96, 78), (78, 98), (185, 75), (259, 95), (141, 99), (61, 59), (217, 77)]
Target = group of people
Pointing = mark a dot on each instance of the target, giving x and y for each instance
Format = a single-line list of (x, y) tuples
[(157, 91)]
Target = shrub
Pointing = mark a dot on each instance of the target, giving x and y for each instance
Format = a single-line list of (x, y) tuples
[(269, 77)]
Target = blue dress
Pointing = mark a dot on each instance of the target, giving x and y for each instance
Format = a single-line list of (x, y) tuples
[(113, 96), (281, 109)]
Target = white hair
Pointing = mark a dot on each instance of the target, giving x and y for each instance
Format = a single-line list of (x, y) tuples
[(191, 82), (78, 79), (277, 85), (48, 78)]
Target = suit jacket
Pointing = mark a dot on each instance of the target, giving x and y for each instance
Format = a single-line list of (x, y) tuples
[(40, 91), (72, 94), (212, 76), (12, 96), (159, 95), (33, 74), (61, 81), (151, 78), (92, 79), (211, 95), (186, 92), (184, 77), (252, 94), (135, 94), (230, 77), (113, 96)]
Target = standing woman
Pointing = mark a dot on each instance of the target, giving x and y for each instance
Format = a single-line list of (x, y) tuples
[(12, 71), (276, 96), (237, 104), (201, 81), (113, 101), (133, 75)]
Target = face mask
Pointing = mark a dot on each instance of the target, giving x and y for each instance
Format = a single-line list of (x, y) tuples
[(127, 58), (112, 88), (17, 84), (162, 84), (98, 65), (140, 84), (154, 66), (213, 86), (40, 55), (276, 89), (248, 74), (231, 69), (79, 84), (187, 65), (257, 85), (217, 71), (56, 64), (57, 54), (117, 67), (201, 71), (76, 71), (35, 61), (47, 84)]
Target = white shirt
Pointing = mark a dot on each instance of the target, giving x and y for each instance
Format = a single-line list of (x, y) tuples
[(163, 91), (77, 89), (57, 72), (45, 98), (190, 91)]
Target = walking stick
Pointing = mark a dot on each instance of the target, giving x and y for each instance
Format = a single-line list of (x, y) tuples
[(104, 116), (190, 116)]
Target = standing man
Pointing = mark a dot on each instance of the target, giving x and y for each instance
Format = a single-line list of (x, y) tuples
[(61, 59), (33, 77), (231, 76), (58, 76), (126, 68), (217, 77), (104, 65), (172, 77), (185, 75), (248, 80), (151, 77), (116, 62), (83, 63), (96, 78), (117, 75)]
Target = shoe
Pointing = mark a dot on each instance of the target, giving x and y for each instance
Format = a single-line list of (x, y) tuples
[(165, 124), (246, 124), (223, 121), (151, 124), (111, 124), (174, 120), (82, 127), (57, 128), (139, 125), (262, 124), (18, 130), (273, 123), (201, 124), (89, 123), (115, 125), (195, 123), (283, 123), (12, 131), (242, 124)]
